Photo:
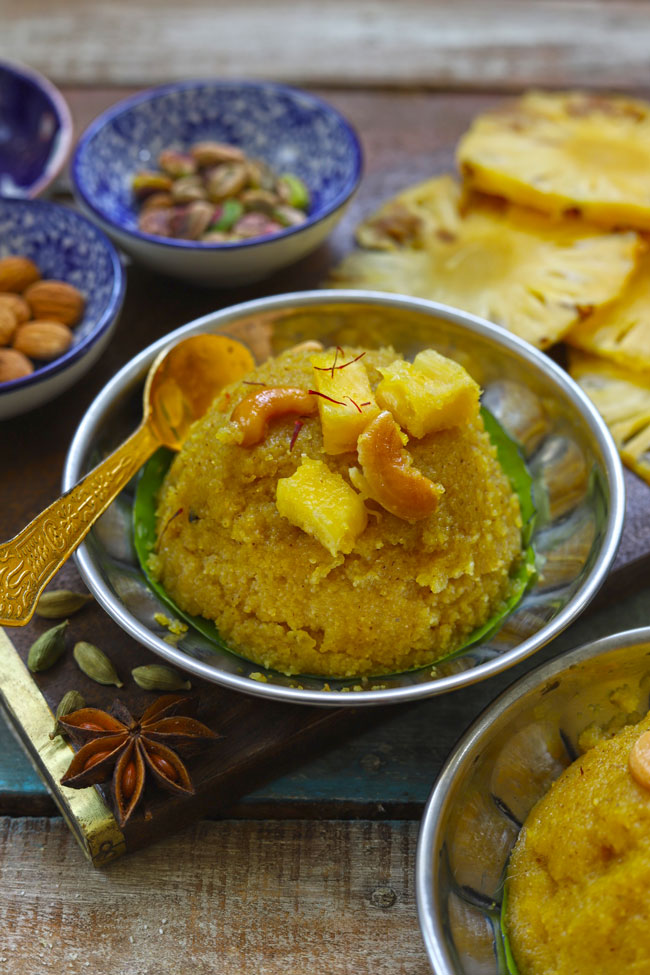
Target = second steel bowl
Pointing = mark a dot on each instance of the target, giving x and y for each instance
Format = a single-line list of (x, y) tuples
[(576, 471)]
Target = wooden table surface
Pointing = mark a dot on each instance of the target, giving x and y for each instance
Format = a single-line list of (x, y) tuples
[(314, 872)]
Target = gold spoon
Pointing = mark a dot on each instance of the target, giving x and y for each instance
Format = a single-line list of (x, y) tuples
[(180, 385)]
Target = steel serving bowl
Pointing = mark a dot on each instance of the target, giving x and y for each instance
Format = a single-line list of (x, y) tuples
[(292, 130), (577, 475), (498, 771)]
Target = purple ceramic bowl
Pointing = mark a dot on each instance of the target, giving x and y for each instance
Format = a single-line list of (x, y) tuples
[(35, 131)]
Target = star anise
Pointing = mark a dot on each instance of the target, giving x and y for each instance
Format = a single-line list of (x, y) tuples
[(129, 748)]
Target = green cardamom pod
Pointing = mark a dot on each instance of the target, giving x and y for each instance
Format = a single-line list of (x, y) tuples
[(60, 603), (71, 701), (95, 664), (157, 677), (46, 650)]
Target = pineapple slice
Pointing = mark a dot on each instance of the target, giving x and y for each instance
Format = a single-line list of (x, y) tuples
[(621, 331), (623, 400), (350, 405), (558, 151), (431, 393), (321, 503), (513, 266)]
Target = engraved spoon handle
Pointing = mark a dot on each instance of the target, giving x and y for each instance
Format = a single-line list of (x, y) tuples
[(28, 561)]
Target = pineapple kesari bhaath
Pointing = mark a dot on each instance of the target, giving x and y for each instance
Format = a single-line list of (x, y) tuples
[(344, 514)]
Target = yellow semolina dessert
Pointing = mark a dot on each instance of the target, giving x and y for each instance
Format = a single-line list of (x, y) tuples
[(335, 518), (579, 874)]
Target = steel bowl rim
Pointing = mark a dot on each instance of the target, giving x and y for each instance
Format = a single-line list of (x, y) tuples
[(434, 811), (134, 370), (166, 243)]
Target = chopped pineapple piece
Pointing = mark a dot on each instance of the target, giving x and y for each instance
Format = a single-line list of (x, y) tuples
[(347, 383), (515, 267), (621, 330), (431, 393), (321, 503), (622, 398), (557, 151)]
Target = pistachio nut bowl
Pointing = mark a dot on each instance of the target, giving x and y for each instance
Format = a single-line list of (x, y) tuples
[(502, 766), (577, 487)]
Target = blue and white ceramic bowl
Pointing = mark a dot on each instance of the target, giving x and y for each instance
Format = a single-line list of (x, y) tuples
[(35, 131), (290, 129), (66, 246)]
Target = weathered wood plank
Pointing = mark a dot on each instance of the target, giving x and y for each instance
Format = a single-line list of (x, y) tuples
[(505, 44), (265, 898)]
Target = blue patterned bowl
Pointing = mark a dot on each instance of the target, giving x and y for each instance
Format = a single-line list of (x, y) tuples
[(290, 129), (35, 131), (70, 248)]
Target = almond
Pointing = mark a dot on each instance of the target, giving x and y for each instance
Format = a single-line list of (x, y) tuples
[(17, 273), (8, 325), (18, 305), (42, 339), (13, 365), (55, 301)]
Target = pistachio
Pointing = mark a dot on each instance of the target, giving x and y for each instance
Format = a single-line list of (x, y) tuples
[(212, 153), (226, 215), (258, 199), (191, 221), (157, 201), (155, 222), (256, 225), (71, 701), (95, 664), (59, 603), (147, 182), (226, 180), (46, 650), (157, 677), (288, 216), (260, 175), (293, 191), (187, 189), (215, 237), (176, 163)]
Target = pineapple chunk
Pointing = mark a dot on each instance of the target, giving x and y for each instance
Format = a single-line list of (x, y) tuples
[(431, 393), (321, 503), (343, 421), (515, 267), (556, 151)]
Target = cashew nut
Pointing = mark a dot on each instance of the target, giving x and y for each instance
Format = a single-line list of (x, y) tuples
[(254, 413), (391, 480)]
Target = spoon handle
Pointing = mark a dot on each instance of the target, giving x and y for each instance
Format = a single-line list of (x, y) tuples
[(28, 561)]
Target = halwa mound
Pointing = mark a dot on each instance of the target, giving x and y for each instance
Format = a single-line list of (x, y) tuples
[(579, 874), (269, 524)]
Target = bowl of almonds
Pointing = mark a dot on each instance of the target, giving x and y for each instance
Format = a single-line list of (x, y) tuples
[(218, 182), (61, 290)]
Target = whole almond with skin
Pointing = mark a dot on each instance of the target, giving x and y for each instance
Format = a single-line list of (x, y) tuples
[(8, 325), (42, 339), (55, 301), (17, 273), (13, 365), (18, 305)]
